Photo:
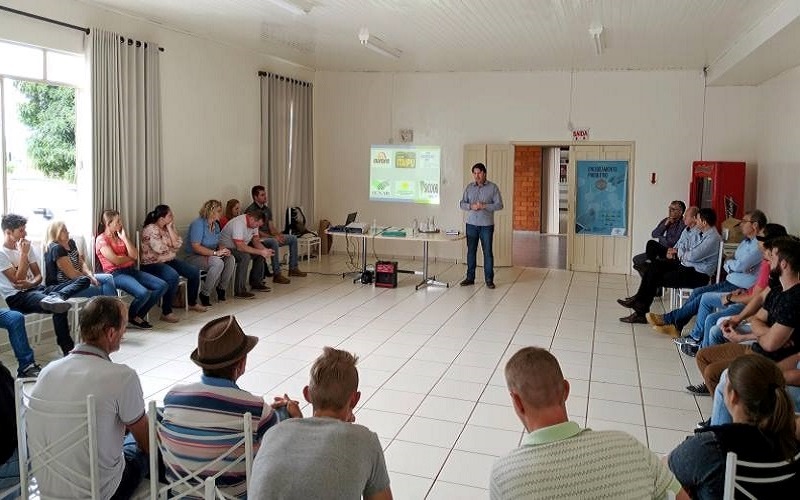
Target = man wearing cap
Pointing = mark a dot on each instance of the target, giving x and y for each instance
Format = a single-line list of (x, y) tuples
[(210, 407), (119, 403), (325, 456)]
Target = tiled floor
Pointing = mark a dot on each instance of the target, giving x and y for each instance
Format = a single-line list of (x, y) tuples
[(532, 249), (432, 362)]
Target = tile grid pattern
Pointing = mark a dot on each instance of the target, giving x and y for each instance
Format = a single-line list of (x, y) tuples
[(431, 363)]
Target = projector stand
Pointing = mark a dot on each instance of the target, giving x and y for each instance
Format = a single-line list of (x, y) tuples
[(426, 279)]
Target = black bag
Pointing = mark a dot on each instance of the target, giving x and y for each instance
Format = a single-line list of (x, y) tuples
[(296, 222)]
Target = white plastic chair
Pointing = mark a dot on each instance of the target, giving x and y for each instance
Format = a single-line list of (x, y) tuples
[(738, 479), (191, 479), (678, 296), (45, 457)]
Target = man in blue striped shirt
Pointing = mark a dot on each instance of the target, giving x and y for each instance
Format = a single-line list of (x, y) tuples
[(481, 200)]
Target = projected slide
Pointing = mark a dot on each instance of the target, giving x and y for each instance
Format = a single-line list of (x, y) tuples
[(407, 174)]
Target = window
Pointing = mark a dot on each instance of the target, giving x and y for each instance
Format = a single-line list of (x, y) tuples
[(38, 93)]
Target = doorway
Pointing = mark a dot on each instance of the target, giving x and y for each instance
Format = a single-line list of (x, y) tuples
[(541, 206)]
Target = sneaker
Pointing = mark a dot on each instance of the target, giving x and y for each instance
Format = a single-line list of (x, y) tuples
[(685, 340), (32, 371), (490, 285), (244, 295), (297, 272), (220, 295), (205, 300), (280, 279), (690, 350), (260, 287), (699, 389), (655, 319), (54, 304), (139, 324), (467, 282)]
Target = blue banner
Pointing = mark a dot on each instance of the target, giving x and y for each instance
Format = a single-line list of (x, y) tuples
[(602, 197)]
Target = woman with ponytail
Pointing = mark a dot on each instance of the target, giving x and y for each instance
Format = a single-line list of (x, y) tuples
[(763, 430), (160, 245), (118, 256)]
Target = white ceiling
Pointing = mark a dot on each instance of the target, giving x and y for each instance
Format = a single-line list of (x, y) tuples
[(749, 40)]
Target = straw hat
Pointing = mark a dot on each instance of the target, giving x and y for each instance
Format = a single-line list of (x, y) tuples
[(220, 343)]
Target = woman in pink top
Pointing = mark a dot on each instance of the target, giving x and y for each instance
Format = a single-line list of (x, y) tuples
[(118, 257), (160, 245)]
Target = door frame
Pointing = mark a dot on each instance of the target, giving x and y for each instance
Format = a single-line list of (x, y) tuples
[(571, 186)]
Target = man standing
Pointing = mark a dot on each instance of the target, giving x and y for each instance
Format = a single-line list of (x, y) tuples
[(481, 200), (272, 238), (21, 278), (119, 408), (557, 458), (240, 236), (774, 326), (203, 412), (325, 456), (666, 234)]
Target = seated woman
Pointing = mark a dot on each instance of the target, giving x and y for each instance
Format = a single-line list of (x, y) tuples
[(160, 244), (232, 209), (63, 262), (763, 430), (204, 251), (118, 256)]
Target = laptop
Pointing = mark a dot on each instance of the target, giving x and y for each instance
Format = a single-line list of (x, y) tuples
[(351, 217)]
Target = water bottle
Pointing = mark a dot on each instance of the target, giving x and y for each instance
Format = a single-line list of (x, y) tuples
[(414, 227)]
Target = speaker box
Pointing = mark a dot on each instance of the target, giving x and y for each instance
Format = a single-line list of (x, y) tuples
[(386, 274)]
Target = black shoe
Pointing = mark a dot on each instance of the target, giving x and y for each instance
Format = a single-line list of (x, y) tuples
[(32, 371), (690, 349), (627, 302), (490, 285), (699, 389), (635, 317), (139, 324), (467, 282), (221, 294), (260, 287), (205, 300), (659, 292)]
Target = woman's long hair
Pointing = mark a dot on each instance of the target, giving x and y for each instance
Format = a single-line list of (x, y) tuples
[(229, 208), (105, 219), (157, 213), (53, 230), (761, 388), (208, 208)]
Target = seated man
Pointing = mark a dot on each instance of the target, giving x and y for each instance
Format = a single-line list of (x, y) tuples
[(557, 458), (272, 238), (9, 460), (119, 402), (775, 327), (240, 236), (209, 407), (742, 272), (666, 234), (21, 278), (690, 268), (324, 456), (14, 323), (715, 306)]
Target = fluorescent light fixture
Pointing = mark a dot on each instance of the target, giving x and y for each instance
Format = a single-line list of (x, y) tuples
[(290, 6), (375, 44), (596, 32)]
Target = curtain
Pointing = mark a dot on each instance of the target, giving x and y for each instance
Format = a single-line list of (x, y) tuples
[(126, 126), (287, 146)]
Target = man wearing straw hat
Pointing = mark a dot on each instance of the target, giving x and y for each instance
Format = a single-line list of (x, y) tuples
[(215, 405)]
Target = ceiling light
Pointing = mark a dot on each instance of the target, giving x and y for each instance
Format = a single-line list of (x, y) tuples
[(377, 45), (290, 6), (596, 32)]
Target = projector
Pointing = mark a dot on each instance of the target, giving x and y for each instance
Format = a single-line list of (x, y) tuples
[(357, 227)]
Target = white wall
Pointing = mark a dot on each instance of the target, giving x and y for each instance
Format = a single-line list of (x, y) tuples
[(661, 111), (779, 149), (210, 95)]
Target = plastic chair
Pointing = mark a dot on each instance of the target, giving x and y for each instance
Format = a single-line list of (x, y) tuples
[(43, 458), (190, 474), (738, 476), (77, 302), (678, 296)]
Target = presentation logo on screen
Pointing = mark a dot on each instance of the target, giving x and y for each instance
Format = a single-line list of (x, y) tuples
[(406, 174)]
